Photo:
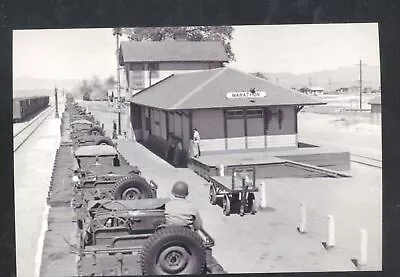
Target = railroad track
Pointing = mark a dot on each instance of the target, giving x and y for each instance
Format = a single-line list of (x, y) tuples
[(373, 162), (25, 133)]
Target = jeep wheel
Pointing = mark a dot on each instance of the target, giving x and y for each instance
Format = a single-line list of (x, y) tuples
[(131, 188), (96, 131), (104, 141), (173, 250)]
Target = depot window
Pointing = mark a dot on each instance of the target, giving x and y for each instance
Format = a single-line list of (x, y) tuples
[(234, 114), (255, 113), (154, 70)]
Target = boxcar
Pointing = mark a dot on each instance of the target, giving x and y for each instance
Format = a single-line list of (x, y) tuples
[(24, 107)]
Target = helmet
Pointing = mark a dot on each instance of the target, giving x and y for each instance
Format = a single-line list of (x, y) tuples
[(180, 189)]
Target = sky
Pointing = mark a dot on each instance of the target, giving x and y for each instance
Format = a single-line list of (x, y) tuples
[(82, 53)]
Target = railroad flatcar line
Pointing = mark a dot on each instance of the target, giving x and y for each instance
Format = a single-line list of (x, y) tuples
[(23, 135)]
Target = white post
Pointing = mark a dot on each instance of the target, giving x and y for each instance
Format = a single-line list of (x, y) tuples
[(263, 195), (331, 231), (364, 247), (303, 212), (221, 170)]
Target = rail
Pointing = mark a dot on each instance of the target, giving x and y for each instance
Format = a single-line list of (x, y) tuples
[(360, 159)]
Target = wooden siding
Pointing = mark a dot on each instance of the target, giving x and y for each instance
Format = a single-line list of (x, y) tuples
[(288, 122), (186, 132), (210, 123), (178, 125), (212, 144), (163, 125)]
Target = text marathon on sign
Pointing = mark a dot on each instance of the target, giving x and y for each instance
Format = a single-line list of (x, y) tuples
[(246, 94)]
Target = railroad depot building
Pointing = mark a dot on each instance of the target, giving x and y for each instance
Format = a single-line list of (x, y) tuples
[(147, 62), (232, 111)]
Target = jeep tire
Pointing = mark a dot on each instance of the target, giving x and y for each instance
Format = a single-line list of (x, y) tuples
[(96, 131), (104, 141), (131, 188), (173, 250)]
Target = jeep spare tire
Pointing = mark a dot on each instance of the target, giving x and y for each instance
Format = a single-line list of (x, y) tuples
[(104, 141), (96, 131), (131, 188), (173, 250)]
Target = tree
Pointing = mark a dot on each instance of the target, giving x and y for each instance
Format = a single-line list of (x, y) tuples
[(192, 33), (260, 75)]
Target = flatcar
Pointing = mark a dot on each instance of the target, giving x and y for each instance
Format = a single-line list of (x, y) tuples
[(24, 107)]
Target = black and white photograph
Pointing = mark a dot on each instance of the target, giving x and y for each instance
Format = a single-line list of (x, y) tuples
[(197, 150)]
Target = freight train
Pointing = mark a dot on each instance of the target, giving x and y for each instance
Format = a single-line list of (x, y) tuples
[(24, 107)]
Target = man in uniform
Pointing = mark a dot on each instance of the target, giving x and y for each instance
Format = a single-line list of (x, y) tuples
[(196, 143), (181, 212)]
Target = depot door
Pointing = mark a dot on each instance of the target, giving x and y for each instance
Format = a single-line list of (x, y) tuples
[(235, 129), (255, 134)]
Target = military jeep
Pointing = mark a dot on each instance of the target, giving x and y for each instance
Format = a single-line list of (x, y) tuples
[(103, 174), (131, 238), (86, 127)]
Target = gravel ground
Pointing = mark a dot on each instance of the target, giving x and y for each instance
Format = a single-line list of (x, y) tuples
[(269, 241), (340, 132)]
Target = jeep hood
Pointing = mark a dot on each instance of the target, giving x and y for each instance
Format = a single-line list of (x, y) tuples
[(131, 205)]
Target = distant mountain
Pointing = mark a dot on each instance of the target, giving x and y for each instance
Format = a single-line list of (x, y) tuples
[(31, 83), (30, 86), (329, 79)]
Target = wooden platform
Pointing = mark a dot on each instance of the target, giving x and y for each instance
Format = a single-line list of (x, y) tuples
[(300, 162)]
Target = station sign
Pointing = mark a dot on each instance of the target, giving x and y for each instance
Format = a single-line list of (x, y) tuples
[(246, 94)]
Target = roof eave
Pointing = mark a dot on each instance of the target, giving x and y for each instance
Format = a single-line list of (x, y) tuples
[(168, 61), (254, 105)]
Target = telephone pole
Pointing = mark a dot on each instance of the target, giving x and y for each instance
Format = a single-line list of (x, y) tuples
[(360, 65), (117, 32), (56, 101)]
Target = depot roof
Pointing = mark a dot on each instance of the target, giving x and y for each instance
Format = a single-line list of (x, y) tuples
[(172, 51), (375, 101), (218, 88), (95, 150)]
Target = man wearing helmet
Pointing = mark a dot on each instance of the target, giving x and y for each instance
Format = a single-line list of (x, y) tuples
[(179, 211)]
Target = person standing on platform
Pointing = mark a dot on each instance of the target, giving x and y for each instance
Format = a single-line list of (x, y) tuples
[(196, 143)]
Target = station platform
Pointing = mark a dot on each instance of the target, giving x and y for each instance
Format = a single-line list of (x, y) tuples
[(283, 163)]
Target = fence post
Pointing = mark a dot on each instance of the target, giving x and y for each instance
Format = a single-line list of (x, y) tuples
[(303, 213), (263, 195), (221, 170), (331, 231), (364, 247)]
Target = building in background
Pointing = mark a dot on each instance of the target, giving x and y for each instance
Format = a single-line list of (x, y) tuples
[(148, 62), (312, 90), (376, 109), (231, 109)]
